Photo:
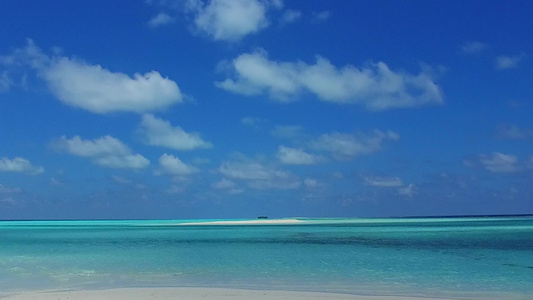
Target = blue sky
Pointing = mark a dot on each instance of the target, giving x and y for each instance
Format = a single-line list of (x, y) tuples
[(240, 108)]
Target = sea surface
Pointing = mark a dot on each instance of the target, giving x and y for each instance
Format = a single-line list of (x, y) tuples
[(465, 258)]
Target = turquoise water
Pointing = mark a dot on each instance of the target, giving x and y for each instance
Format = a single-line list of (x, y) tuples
[(458, 257)]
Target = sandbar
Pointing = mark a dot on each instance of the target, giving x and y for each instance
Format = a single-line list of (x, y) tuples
[(195, 294), (248, 222)]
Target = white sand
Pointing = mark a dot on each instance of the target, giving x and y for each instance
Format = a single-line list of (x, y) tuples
[(249, 222), (195, 294)]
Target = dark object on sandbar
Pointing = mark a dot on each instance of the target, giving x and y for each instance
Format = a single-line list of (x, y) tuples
[(262, 217)]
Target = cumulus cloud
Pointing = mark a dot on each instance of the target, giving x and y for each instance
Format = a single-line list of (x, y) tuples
[(99, 90), (509, 62), (500, 163), (374, 86), (313, 183), (259, 176), (231, 20), (159, 20), (293, 156), (7, 201), (5, 81), (290, 16), (250, 171), (96, 89), (103, 146), (408, 191), (473, 47), (19, 165), (228, 186), (158, 132), (172, 165), (105, 151), (30, 55), (347, 146), (120, 180), (383, 181), (55, 182), (223, 184), (7, 190), (132, 161)]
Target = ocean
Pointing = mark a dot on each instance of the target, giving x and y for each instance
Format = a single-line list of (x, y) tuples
[(467, 257)]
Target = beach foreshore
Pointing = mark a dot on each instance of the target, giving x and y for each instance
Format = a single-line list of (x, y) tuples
[(195, 294), (247, 222)]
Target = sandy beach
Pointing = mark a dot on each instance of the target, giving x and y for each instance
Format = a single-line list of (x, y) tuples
[(195, 294), (247, 222)]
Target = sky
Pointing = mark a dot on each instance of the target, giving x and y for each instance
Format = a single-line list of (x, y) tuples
[(178, 109)]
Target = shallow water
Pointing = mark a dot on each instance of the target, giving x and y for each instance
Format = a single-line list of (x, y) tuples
[(455, 257)]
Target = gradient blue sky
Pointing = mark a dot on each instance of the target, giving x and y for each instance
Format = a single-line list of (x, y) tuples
[(240, 108)]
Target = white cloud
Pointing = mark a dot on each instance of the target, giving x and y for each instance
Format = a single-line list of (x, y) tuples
[(106, 145), (290, 16), (256, 75), (172, 165), (5, 81), (313, 183), (293, 156), (158, 132), (250, 171), (132, 161), (140, 186), (509, 62), (96, 89), (236, 191), (374, 86), (408, 191), (105, 151), (251, 121), (175, 189), (231, 20), (322, 15), (258, 176), (227, 185), (159, 20), (223, 184), (55, 182), (500, 163), (30, 56), (347, 146), (119, 179), (383, 181), (7, 190), (309, 182), (513, 132), (8, 201), (473, 47), (19, 165), (274, 184)]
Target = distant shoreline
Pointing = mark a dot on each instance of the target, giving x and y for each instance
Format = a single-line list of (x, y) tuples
[(201, 293), (299, 218), (248, 222)]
